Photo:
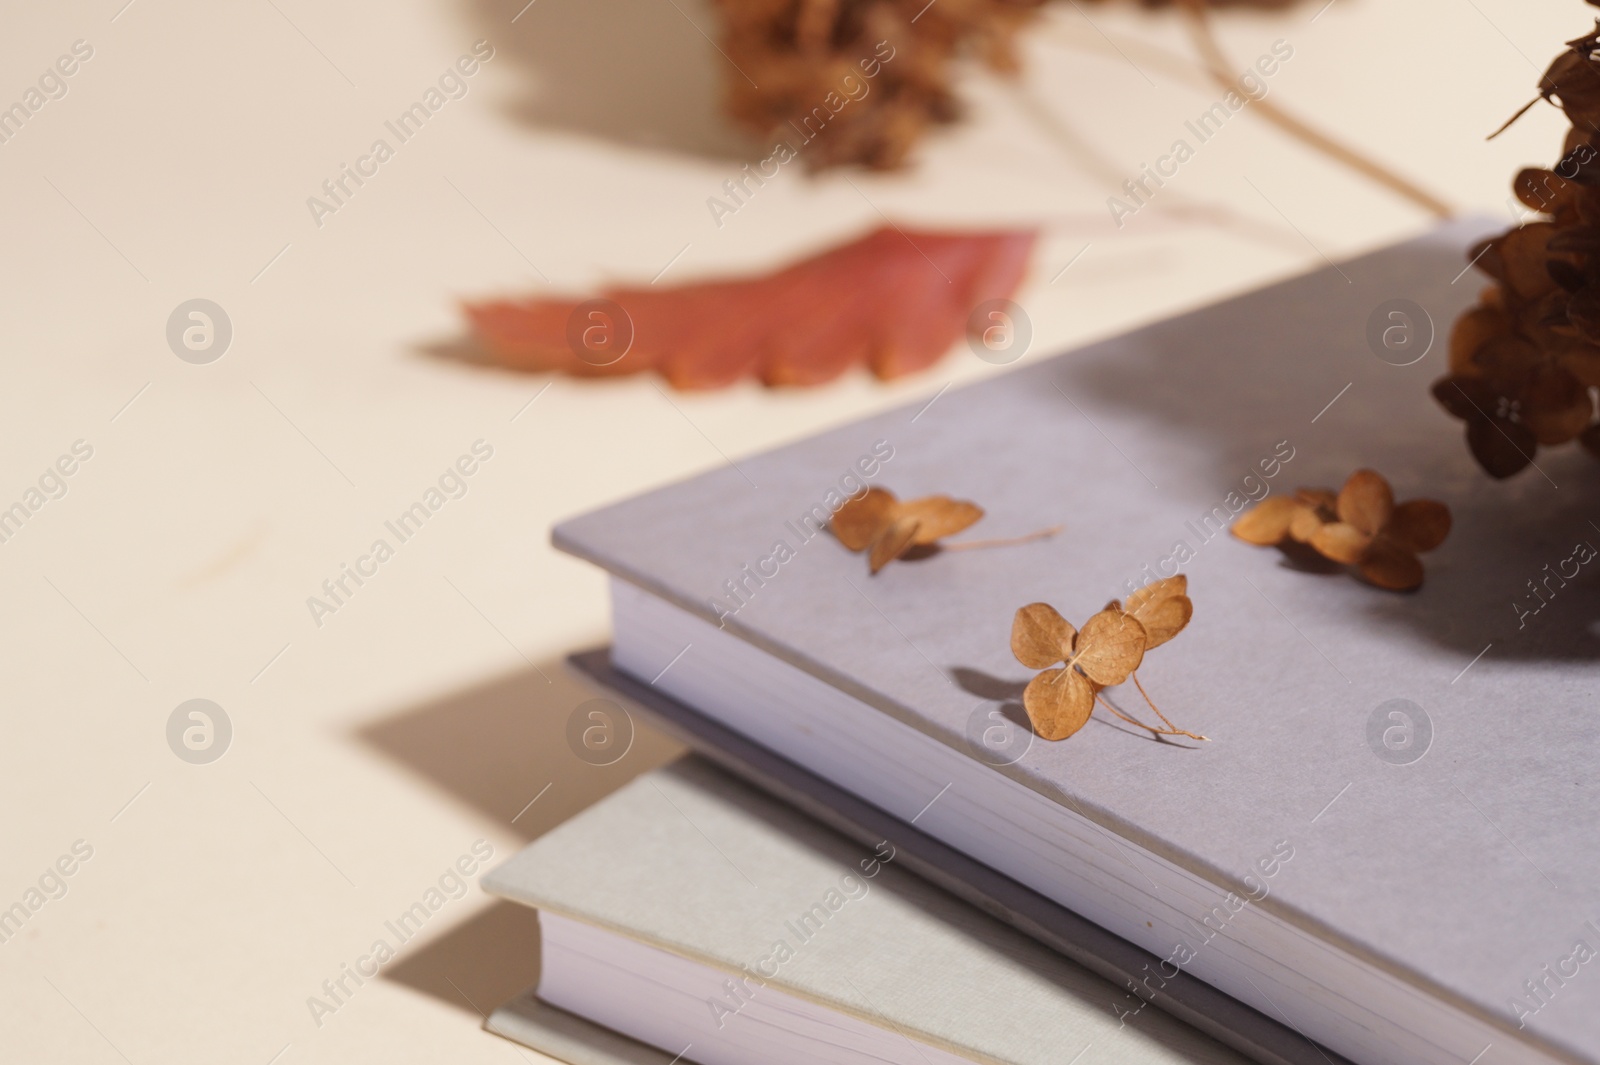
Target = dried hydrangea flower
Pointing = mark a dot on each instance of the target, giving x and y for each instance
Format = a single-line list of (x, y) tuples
[(1277, 518), (887, 528), (1524, 363), (1363, 527), (1076, 664)]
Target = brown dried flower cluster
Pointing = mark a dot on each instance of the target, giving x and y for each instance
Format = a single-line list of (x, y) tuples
[(887, 528), (859, 81), (1078, 663), (1362, 526), (1524, 363)]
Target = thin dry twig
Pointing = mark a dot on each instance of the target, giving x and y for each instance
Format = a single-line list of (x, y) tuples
[(1220, 69), (1042, 534)]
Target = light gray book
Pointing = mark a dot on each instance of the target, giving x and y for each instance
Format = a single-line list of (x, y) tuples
[(1262, 1039), (700, 919), (1395, 805)]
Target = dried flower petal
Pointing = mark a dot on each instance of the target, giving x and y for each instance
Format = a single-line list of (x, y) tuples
[(1321, 498), (889, 527), (1388, 565), (1341, 542), (894, 542), (1109, 647), (1163, 608), (1366, 501), (1266, 523), (1041, 637), (1472, 331), (1058, 702), (1559, 407), (939, 516), (1544, 191), (1501, 447), (1419, 524), (1583, 362), (1523, 253), (863, 518), (1307, 520), (1467, 398)]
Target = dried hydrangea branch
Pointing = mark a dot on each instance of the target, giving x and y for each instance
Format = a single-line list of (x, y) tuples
[(1217, 64), (1042, 534), (1175, 205)]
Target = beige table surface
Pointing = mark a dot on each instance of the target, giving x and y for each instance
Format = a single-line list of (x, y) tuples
[(369, 753)]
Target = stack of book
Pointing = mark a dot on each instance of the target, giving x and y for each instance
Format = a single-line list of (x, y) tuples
[(1385, 854)]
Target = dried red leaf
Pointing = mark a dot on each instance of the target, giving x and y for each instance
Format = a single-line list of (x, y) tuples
[(894, 299)]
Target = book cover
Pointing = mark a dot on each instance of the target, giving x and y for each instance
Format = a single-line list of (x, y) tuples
[(688, 859)]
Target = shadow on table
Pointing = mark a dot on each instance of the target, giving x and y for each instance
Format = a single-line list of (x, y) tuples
[(478, 964), (501, 747), (639, 72)]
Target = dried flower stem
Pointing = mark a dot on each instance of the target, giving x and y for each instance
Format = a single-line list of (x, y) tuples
[(1170, 730), (1042, 534), (1149, 728), (1218, 66), (1157, 709)]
